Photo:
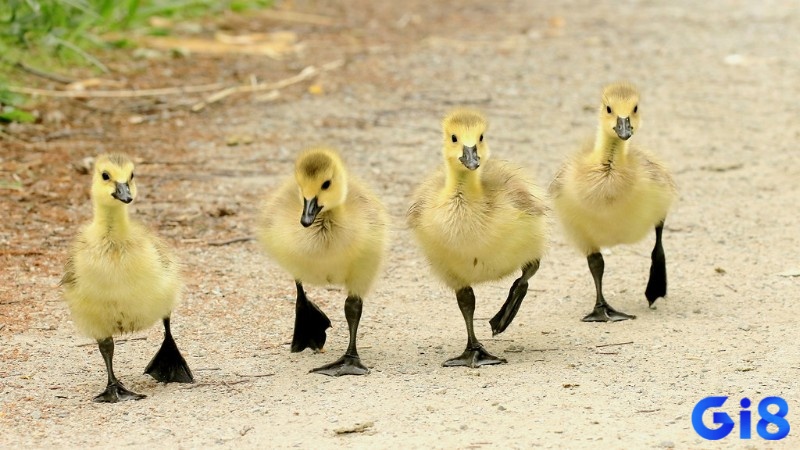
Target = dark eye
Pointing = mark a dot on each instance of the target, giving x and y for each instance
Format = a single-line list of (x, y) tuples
[(106, 176), (326, 184), (635, 109), (131, 175), (481, 138), (608, 109), (454, 138)]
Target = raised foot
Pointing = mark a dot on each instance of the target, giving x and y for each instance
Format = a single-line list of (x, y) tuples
[(117, 393), (508, 311), (655, 290), (606, 313), (474, 357), (168, 365), (309, 328), (346, 365)]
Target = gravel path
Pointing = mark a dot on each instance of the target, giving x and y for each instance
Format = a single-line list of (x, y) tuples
[(720, 106)]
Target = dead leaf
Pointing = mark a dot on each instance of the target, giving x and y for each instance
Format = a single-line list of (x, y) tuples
[(238, 139), (357, 428)]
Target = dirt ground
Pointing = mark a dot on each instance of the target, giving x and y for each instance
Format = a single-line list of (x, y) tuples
[(720, 105)]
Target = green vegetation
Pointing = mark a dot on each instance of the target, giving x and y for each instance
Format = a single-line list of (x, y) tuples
[(57, 34)]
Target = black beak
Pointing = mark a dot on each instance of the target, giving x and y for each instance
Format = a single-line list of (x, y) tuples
[(123, 193), (470, 158), (310, 211), (623, 128)]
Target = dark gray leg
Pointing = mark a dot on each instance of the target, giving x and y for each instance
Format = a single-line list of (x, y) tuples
[(115, 391), (350, 363), (474, 355), (602, 312), (657, 284)]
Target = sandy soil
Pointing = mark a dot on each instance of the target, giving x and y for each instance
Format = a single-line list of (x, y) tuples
[(720, 106)]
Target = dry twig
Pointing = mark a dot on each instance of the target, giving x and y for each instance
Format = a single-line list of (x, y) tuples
[(611, 345), (125, 93), (255, 375), (43, 74), (304, 74), (18, 252), (231, 241), (221, 383)]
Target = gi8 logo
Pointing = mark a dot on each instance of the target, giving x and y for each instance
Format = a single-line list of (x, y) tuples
[(745, 422)]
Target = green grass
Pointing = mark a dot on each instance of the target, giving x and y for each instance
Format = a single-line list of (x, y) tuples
[(59, 34)]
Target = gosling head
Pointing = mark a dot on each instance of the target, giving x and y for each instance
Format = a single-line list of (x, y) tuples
[(464, 144), (619, 113), (322, 181), (112, 181)]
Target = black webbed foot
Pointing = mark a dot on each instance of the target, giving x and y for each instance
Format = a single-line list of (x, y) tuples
[(475, 356), (116, 392), (516, 294), (605, 313), (503, 318), (346, 365), (655, 290), (310, 324), (168, 365), (657, 283)]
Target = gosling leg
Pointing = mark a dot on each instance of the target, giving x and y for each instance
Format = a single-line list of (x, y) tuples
[(474, 355), (657, 284), (115, 391), (603, 312), (310, 323), (168, 365), (350, 363), (503, 318)]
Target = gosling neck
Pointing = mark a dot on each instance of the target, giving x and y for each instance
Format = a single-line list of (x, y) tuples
[(610, 149), (461, 180), (113, 220)]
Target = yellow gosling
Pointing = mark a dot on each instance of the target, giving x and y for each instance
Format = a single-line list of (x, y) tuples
[(121, 278), (324, 227), (614, 193), (477, 220)]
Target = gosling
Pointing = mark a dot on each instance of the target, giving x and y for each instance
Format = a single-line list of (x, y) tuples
[(613, 193), (478, 220), (339, 239), (120, 278)]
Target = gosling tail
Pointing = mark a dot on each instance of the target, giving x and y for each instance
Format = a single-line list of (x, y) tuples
[(168, 366)]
